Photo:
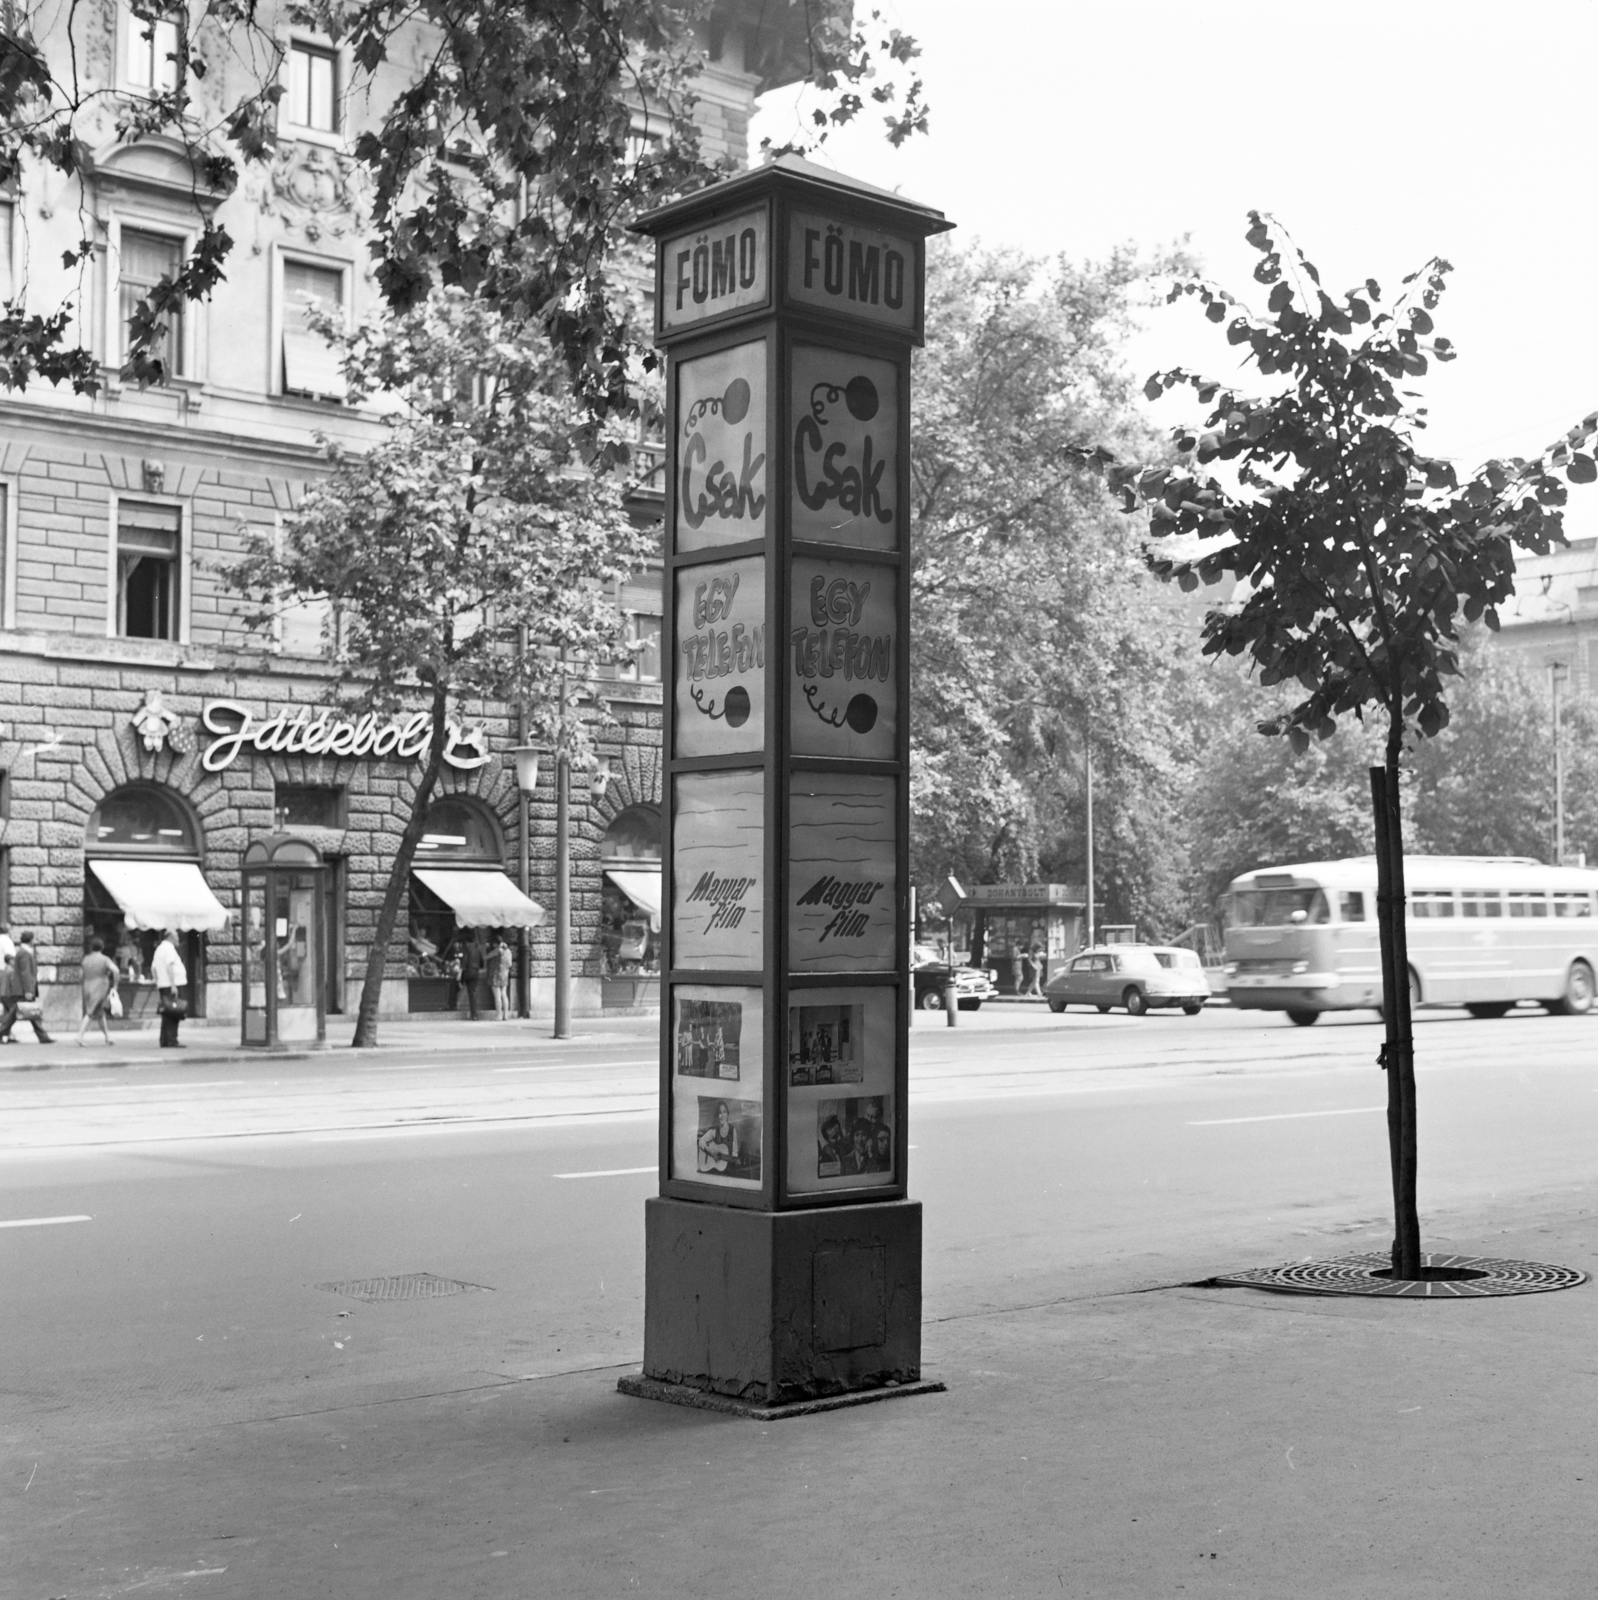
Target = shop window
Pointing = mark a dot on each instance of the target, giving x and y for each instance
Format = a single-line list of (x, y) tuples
[(149, 540), (629, 927), (311, 366), (308, 806), (143, 260), (313, 87), (152, 52), (140, 822), (456, 833)]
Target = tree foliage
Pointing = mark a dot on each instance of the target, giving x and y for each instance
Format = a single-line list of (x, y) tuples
[(504, 155), (1036, 625), (464, 551)]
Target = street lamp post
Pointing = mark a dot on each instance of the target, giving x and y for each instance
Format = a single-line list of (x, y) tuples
[(526, 757), (1090, 929), (1555, 673)]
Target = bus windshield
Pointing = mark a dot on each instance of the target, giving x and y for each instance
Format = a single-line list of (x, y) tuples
[(1277, 908)]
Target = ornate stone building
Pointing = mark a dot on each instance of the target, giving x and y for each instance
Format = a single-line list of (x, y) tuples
[(123, 658)]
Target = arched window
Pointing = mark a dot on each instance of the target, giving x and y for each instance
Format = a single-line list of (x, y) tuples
[(460, 832), (141, 819), (633, 837)]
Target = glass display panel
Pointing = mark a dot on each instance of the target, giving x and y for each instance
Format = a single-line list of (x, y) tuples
[(720, 494), (717, 1085), (720, 670), (843, 697), (839, 1084), (718, 870), (842, 879), (844, 462)]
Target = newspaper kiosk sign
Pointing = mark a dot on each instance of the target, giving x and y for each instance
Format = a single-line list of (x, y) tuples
[(788, 301)]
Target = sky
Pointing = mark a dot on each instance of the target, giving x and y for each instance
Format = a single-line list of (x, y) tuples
[(1379, 134)]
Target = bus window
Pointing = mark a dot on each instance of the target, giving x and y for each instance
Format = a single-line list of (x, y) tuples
[(1572, 905), (1524, 903), (1351, 905), (1480, 903), (1277, 908), (1432, 903)]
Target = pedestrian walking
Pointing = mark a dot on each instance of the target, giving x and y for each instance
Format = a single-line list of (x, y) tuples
[(499, 970), (99, 984), (22, 1003), (1015, 969), (1028, 978), (170, 976)]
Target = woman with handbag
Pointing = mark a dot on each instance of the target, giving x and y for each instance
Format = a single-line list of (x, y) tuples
[(22, 1001), (170, 975), (99, 990)]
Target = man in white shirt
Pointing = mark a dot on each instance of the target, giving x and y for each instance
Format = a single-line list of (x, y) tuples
[(170, 976), (8, 946)]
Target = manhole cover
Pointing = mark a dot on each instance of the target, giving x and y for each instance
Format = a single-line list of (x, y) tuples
[(410, 1286), (1448, 1277)]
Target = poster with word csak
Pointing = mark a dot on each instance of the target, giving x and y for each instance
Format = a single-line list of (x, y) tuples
[(720, 493), (843, 466)]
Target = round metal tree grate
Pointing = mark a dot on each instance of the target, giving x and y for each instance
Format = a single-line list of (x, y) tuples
[(1448, 1277), (411, 1286)]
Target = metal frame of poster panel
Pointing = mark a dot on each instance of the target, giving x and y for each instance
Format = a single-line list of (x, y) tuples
[(754, 309), (838, 203), (764, 761), (800, 327)]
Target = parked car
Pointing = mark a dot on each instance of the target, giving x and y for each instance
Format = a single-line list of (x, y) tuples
[(1136, 976), (930, 973)]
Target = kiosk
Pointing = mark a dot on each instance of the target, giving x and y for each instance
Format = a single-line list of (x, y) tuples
[(783, 1259), (284, 936)]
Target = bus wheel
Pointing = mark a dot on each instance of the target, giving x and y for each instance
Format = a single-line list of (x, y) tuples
[(1578, 996), (1303, 1018), (1489, 1008), (1414, 995)]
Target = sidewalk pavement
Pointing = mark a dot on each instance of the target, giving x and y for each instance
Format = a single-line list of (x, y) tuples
[(1160, 1441), (217, 1043)]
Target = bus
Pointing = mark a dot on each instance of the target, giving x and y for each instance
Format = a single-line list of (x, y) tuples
[(1485, 933)]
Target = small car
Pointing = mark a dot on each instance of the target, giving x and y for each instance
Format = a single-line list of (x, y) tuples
[(1137, 976), (929, 972)]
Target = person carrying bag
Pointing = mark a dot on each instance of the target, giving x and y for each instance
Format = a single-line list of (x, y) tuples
[(22, 997), (170, 976)]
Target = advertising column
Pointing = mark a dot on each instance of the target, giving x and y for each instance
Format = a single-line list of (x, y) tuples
[(783, 1258)]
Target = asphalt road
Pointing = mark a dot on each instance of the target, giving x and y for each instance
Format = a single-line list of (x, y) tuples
[(1057, 1158)]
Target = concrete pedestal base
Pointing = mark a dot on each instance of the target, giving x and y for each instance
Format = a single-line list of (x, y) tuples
[(776, 1308)]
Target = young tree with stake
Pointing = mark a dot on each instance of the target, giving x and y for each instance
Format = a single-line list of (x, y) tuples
[(1360, 552), (463, 554)]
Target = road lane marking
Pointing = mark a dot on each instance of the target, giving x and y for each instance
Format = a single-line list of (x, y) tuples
[(1284, 1116), (592, 1066), (610, 1172), (41, 1222)]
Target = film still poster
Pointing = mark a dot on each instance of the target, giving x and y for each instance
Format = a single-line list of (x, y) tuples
[(843, 659), (843, 466), (826, 1044), (718, 869), (842, 884), (709, 1033), (720, 670), (720, 495), (854, 1139), (717, 1086), (827, 1099)]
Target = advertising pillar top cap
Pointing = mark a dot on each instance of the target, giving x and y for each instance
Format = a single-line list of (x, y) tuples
[(794, 238), (803, 180)]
